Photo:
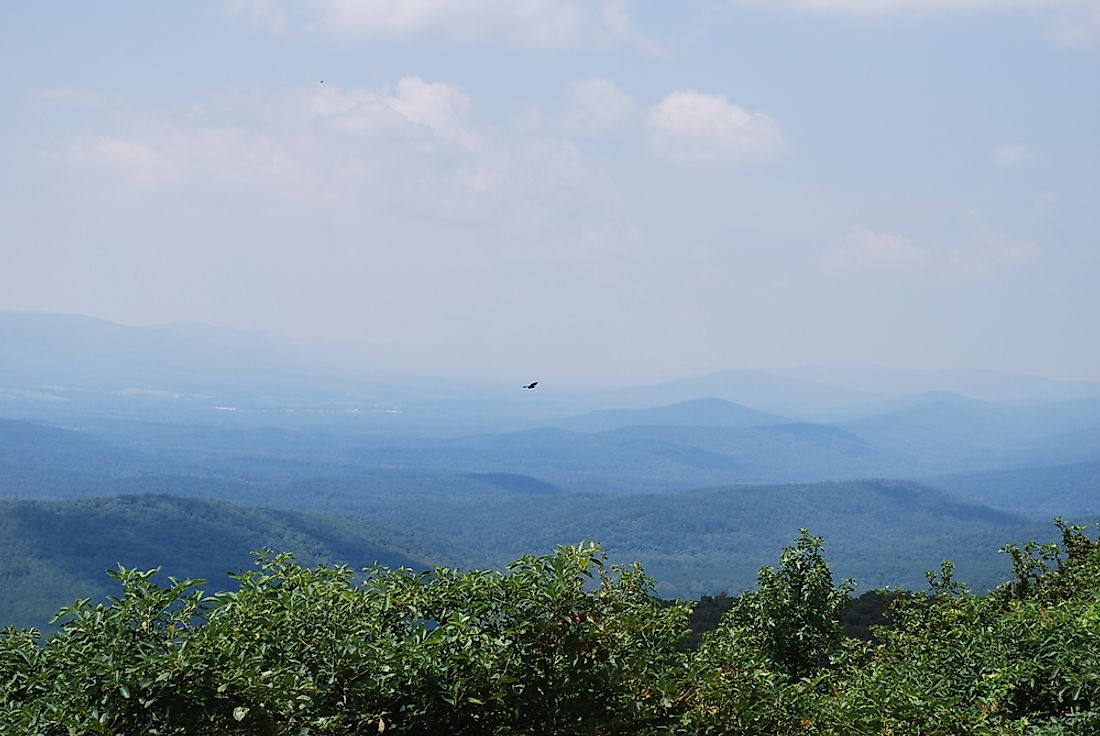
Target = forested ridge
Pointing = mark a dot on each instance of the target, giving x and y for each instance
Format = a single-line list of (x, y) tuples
[(693, 544), (566, 643)]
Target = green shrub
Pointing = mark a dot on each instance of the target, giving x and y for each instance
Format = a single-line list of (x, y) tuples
[(563, 644)]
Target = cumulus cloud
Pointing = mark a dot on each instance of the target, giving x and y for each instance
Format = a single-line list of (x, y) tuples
[(525, 22), (440, 109), (1070, 21), (865, 251), (608, 239), (136, 161), (595, 105), (410, 151), (1012, 155), (529, 23), (619, 25), (884, 7), (592, 106), (696, 129), (268, 13)]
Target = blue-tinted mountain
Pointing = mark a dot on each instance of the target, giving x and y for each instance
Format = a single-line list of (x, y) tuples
[(764, 391), (987, 385), (55, 552), (694, 413), (963, 433), (1042, 492)]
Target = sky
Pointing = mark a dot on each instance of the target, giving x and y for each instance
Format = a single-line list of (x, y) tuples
[(575, 191)]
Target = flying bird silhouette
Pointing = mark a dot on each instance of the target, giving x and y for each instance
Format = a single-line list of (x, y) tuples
[(532, 384)]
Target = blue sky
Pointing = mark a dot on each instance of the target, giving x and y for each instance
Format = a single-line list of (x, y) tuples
[(584, 190)]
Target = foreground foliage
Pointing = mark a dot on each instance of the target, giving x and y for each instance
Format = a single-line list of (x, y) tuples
[(563, 644)]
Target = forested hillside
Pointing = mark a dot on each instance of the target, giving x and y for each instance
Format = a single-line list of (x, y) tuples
[(57, 552), (697, 543)]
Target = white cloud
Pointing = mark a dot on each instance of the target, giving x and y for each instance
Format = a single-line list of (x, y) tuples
[(137, 161), (442, 108), (607, 239), (885, 7), (67, 96), (1071, 22), (595, 105), (619, 25), (696, 129), (864, 250), (407, 153), (1046, 201), (994, 247), (267, 13), (563, 171), (439, 111), (530, 23), (1078, 24), (867, 252), (1012, 155), (525, 22)]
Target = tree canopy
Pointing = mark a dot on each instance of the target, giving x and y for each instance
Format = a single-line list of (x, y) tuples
[(565, 643)]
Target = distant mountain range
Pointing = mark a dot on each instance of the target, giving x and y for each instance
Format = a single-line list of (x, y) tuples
[(707, 412), (670, 448), (63, 366), (188, 446)]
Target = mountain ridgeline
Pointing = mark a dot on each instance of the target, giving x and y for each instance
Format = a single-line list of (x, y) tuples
[(189, 447)]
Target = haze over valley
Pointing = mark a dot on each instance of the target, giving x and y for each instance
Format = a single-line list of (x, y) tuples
[(132, 454)]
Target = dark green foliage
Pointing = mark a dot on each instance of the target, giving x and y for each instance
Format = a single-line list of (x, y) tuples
[(793, 616), (860, 617), (1023, 659), (565, 644), (740, 678), (867, 612), (706, 616), (562, 644)]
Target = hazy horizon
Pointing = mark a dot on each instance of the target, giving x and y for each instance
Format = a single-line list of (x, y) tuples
[(316, 358), (587, 192)]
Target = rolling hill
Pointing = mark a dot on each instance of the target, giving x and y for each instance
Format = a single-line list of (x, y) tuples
[(694, 413), (1040, 492), (55, 552)]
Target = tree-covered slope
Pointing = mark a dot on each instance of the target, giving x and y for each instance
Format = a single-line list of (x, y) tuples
[(709, 540), (1042, 492), (54, 552)]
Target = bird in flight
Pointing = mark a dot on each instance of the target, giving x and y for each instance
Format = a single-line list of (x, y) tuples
[(532, 384)]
